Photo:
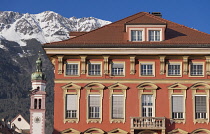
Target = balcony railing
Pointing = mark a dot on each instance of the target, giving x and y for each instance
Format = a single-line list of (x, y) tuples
[(148, 123)]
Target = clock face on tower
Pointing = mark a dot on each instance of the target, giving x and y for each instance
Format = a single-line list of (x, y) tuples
[(37, 119)]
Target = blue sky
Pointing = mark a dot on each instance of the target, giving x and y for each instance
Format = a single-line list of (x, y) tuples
[(191, 13)]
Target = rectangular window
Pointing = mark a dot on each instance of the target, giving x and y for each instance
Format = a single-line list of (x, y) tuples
[(177, 107), (200, 107), (196, 69), (117, 106), (71, 69), (117, 69), (136, 35), (71, 105), (146, 69), (94, 69), (154, 35), (94, 106), (147, 105), (174, 69)]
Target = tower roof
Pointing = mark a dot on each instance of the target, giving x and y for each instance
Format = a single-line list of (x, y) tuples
[(38, 75)]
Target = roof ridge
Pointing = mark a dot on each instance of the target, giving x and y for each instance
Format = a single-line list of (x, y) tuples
[(136, 18), (161, 19)]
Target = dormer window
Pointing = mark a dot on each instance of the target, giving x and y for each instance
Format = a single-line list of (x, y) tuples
[(136, 35), (154, 35), (141, 33)]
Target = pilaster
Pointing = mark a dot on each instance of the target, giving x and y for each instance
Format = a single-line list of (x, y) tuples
[(132, 64), (162, 64), (60, 64), (83, 64), (106, 64), (207, 65), (185, 65)]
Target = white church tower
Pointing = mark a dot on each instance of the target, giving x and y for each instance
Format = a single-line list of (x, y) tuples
[(38, 96)]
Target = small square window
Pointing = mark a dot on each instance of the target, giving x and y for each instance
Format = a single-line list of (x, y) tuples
[(72, 69), (196, 69), (174, 69), (117, 69), (136, 35), (154, 35), (146, 69), (94, 69)]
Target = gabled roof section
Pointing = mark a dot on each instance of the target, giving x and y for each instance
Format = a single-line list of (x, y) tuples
[(115, 36), (145, 19)]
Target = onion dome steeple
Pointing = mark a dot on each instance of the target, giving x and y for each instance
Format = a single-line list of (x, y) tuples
[(38, 75)]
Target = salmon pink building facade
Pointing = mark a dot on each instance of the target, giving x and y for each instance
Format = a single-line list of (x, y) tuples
[(140, 75)]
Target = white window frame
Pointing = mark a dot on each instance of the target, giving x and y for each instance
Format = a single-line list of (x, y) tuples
[(137, 29), (71, 89), (123, 105), (173, 63), (96, 89), (71, 62), (69, 113), (111, 67), (147, 107), (206, 114), (155, 29), (178, 113), (95, 110), (196, 63), (94, 63), (147, 63)]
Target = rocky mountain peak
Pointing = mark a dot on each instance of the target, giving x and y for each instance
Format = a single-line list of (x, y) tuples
[(45, 27)]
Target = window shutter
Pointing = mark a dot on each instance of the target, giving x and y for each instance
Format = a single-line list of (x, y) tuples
[(200, 104), (71, 102), (94, 100), (177, 104), (117, 106), (117, 65)]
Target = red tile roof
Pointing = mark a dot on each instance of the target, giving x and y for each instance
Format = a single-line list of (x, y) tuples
[(114, 33), (76, 33)]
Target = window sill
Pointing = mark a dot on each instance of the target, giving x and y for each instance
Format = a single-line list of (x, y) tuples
[(200, 121), (117, 121), (147, 76), (71, 75), (72, 120), (196, 75), (174, 76), (94, 120), (179, 121)]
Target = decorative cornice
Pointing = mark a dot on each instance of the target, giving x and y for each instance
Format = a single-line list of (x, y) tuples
[(126, 51)]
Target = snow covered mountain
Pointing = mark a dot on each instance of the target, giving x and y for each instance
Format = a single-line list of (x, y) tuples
[(45, 27)]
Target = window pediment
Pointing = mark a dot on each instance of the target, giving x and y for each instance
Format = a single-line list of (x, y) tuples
[(178, 131), (177, 86), (147, 86), (71, 86), (200, 86), (70, 130), (200, 131), (94, 86), (117, 130), (118, 86), (94, 131)]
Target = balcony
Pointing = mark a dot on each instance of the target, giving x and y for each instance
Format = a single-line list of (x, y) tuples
[(152, 123)]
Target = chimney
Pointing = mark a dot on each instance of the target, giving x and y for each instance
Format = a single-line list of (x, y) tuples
[(158, 14)]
